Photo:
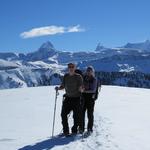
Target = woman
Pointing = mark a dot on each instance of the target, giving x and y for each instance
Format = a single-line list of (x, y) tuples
[(90, 85)]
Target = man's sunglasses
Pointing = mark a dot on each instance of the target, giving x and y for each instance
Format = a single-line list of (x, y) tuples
[(70, 66)]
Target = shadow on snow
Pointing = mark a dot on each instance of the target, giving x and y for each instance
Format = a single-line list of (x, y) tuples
[(49, 143)]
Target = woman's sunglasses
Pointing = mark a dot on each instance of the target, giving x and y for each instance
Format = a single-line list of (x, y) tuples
[(70, 66), (88, 70)]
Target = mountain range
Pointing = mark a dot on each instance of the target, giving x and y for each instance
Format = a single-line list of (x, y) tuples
[(19, 69)]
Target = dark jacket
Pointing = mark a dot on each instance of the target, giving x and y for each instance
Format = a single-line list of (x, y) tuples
[(90, 84)]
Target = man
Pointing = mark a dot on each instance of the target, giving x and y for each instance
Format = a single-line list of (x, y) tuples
[(72, 83), (90, 85)]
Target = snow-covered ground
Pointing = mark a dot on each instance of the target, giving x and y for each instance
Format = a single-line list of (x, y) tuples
[(122, 120)]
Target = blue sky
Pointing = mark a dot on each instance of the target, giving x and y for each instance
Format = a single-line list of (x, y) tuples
[(72, 24)]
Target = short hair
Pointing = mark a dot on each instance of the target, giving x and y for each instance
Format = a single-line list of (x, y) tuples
[(73, 64)]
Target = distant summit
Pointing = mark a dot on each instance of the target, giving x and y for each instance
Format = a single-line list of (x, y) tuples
[(47, 46), (100, 47), (142, 45), (46, 65), (45, 51)]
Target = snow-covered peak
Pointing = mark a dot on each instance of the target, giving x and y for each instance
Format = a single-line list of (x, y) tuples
[(47, 46), (43, 53), (147, 41), (142, 45), (99, 47)]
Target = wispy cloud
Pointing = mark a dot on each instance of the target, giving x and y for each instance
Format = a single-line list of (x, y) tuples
[(76, 28), (50, 30)]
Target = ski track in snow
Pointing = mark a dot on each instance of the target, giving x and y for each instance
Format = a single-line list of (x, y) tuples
[(99, 139)]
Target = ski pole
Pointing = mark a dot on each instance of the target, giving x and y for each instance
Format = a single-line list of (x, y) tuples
[(54, 112)]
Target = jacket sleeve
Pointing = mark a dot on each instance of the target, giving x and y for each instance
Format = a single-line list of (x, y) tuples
[(93, 87), (63, 82), (80, 81)]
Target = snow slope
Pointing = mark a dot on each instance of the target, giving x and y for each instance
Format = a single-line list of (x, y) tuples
[(4, 65), (122, 120)]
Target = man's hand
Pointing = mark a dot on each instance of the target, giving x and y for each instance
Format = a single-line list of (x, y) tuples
[(81, 89), (59, 88), (56, 88)]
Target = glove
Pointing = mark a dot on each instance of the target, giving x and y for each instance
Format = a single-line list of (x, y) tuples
[(56, 88)]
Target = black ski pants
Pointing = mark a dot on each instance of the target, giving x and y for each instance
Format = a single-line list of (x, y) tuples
[(71, 104), (88, 105)]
